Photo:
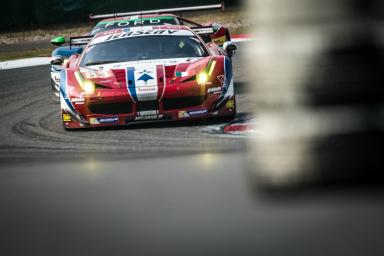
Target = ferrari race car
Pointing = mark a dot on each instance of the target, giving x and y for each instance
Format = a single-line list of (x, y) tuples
[(145, 74), (219, 36), (107, 22)]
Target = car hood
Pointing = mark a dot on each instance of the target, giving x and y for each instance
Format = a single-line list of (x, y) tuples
[(148, 72)]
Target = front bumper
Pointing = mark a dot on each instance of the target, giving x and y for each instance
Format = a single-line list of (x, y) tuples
[(102, 114)]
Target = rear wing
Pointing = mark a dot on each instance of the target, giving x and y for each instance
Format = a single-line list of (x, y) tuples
[(79, 40), (160, 11), (203, 30)]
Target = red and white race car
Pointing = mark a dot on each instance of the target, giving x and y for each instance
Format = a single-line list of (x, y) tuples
[(106, 22), (147, 74)]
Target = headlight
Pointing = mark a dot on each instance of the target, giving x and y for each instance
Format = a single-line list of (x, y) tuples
[(86, 85), (202, 78), (89, 87)]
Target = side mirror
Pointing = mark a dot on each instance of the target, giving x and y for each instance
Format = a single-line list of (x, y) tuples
[(57, 61), (60, 40), (230, 47)]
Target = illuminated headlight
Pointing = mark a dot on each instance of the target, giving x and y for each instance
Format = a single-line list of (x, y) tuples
[(202, 78), (89, 87), (86, 85)]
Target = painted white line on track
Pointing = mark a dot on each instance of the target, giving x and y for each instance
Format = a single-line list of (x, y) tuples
[(240, 40), (22, 63)]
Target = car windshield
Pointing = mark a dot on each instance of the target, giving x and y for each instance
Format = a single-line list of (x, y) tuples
[(144, 48), (131, 22)]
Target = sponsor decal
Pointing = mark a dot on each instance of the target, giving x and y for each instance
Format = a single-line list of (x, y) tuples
[(140, 33), (67, 118), (142, 82), (219, 40), (135, 21), (146, 90), (55, 77), (108, 120), (105, 120), (214, 90), (143, 31), (221, 78), (183, 114), (198, 112), (203, 30), (148, 115), (186, 114), (181, 74), (184, 74), (145, 77), (78, 101), (230, 104)]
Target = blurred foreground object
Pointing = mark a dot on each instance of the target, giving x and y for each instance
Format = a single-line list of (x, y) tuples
[(318, 88)]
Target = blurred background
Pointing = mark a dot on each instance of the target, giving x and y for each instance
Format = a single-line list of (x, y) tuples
[(18, 14), (318, 89)]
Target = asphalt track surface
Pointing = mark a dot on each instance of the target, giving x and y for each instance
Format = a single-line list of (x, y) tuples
[(31, 126), (162, 189)]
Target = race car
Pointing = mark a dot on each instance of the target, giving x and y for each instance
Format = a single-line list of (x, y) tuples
[(219, 36), (107, 22), (151, 73)]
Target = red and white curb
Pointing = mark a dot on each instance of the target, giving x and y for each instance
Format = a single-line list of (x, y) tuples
[(22, 63), (241, 38), (242, 128)]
